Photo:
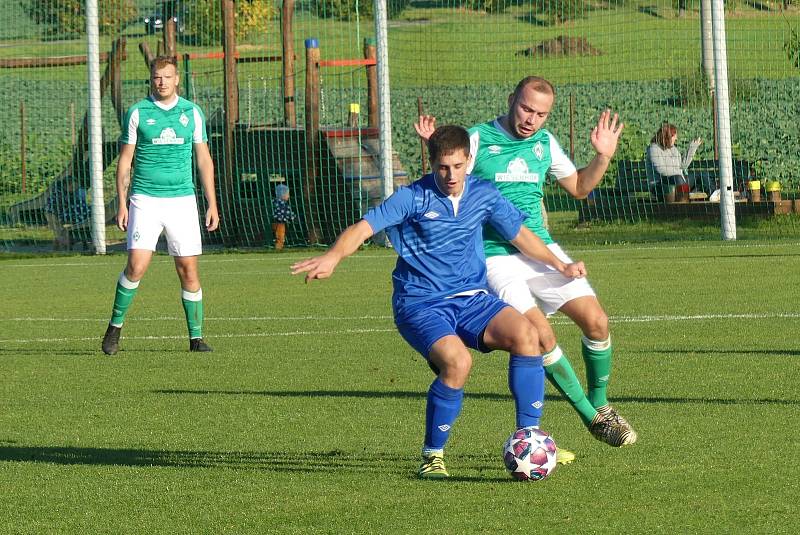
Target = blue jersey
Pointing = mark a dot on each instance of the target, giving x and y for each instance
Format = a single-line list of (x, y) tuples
[(440, 249)]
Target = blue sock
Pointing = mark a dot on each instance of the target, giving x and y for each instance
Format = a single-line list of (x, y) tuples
[(444, 404), (526, 382)]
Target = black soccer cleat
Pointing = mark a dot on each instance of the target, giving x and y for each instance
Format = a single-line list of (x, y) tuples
[(111, 340), (198, 345)]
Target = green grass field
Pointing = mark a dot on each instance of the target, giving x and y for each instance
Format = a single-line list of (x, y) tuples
[(308, 415)]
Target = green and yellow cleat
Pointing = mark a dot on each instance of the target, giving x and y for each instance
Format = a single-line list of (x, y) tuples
[(564, 456), (432, 467)]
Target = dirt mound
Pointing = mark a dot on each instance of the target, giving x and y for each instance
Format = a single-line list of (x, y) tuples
[(561, 46)]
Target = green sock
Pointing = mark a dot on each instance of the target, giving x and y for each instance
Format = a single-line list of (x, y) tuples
[(126, 290), (597, 356), (561, 375), (193, 308)]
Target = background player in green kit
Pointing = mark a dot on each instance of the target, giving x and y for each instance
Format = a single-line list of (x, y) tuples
[(515, 152), (159, 137)]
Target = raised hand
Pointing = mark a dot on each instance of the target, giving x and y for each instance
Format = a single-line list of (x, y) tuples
[(425, 126), (606, 134)]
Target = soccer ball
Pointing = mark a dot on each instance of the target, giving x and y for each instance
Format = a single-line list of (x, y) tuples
[(529, 454)]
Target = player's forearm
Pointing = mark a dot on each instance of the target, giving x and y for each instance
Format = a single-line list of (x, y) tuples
[(350, 240), (591, 175), (207, 181), (123, 182), (534, 248)]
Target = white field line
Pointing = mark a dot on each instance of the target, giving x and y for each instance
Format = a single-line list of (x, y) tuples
[(614, 319)]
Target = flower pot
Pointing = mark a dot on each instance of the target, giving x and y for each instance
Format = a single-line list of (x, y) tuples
[(682, 193), (754, 186), (773, 191), (669, 192)]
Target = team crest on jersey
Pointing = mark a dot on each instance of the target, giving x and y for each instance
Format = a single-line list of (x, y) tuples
[(150, 122), (431, 215), (185, 120), (517, 171), (168, 137), (538, 150), (136, 236), (495, 149)]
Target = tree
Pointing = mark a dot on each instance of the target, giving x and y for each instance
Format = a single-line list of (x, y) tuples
[(67, 18), (204, 18)]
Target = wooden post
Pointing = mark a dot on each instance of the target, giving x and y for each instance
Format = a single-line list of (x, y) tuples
[(372, 83), (312, 135), (422, 146), (231, 115), (22, 151), (187, 77), (147, 54), (169, 36), (148, 57), (116, 84), (287, 37)]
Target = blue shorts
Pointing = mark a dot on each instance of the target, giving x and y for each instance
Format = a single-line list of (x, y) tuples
[(465, 317)]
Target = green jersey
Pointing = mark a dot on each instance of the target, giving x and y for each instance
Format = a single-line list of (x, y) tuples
[(518, 168), (164, 137)]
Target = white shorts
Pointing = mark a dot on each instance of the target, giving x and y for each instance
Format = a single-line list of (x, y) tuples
[(524, 283), (176, 216)]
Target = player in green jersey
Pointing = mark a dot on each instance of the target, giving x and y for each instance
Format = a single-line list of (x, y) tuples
[(516, 153), (160, 136)]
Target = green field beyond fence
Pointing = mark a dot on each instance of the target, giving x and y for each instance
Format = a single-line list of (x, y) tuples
[(456, 60), (308, 416)]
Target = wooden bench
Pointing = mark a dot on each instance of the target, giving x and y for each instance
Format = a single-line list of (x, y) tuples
[(632, 197), (632, 175)]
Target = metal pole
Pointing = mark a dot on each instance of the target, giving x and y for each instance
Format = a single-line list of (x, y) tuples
[(384, 103), (95, 129), (727, 207)]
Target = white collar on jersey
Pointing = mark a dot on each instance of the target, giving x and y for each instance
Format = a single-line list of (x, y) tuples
[(165, 107)]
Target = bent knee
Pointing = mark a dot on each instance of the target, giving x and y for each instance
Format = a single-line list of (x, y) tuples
[(597, 327)]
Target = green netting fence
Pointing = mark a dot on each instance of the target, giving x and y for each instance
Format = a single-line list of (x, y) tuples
[(291, 98)]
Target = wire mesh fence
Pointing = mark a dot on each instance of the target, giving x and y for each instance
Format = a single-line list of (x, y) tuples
[(290, 100)]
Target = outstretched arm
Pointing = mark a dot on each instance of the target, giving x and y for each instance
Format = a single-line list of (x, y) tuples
[(533, 247), (348, 242), (604, 138)]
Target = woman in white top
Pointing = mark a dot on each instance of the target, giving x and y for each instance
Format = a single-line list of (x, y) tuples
[(664, 163)]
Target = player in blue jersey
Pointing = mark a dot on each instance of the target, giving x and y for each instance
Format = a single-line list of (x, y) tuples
[(515, 152), (440, 300)]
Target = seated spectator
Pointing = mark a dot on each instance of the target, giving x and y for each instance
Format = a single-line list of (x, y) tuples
[(65, 206), (665, 167)]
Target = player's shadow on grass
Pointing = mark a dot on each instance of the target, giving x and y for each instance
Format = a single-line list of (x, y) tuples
[(485, 396), (310, 462)]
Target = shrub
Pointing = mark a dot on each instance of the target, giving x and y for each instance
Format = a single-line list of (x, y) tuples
[(348, 9), (204, 19), (68, 17)]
